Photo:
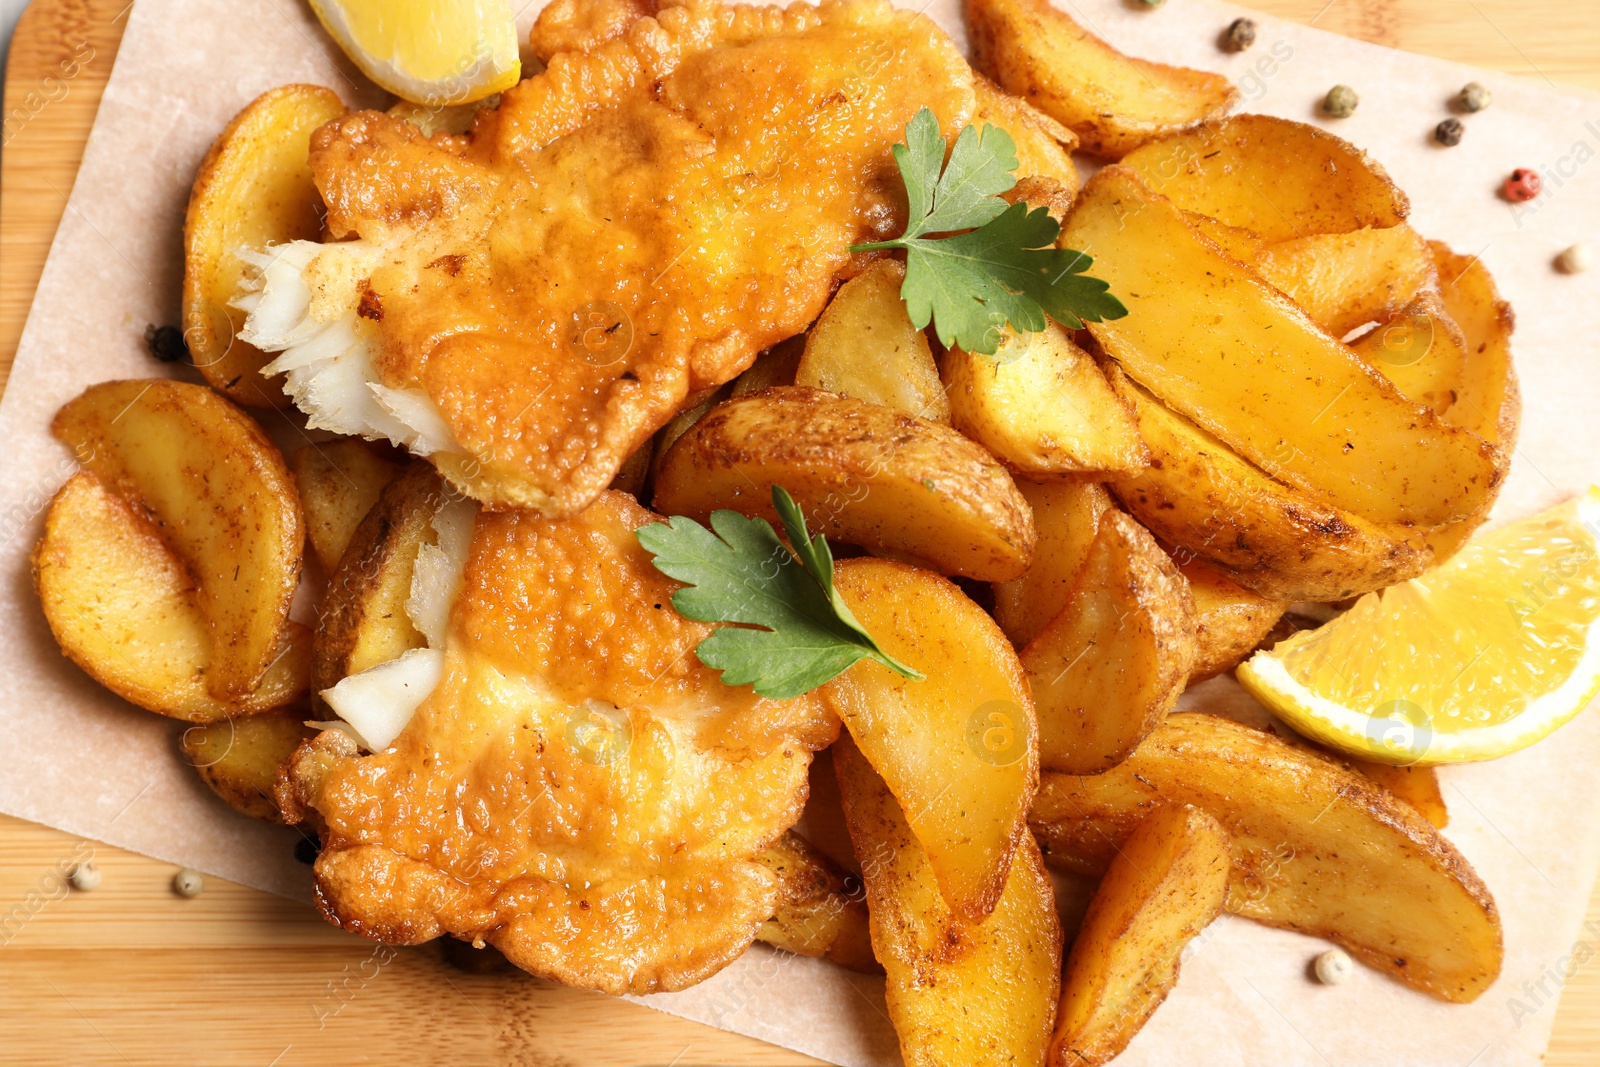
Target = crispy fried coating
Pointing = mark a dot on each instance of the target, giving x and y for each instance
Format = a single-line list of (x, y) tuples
[(579, 791)]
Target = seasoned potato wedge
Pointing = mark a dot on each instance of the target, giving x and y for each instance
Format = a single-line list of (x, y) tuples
[(1202, 497), (865, 346), (338, 483), (1421, 350), (1068, 515), (1113, 102), (254, 188), (1417, 786), (1165, 885), (122, 607), (220, 492), (1042, 406), (1346, 280), (1044, 146), (1230, 621), (1273, 177), (681, 423), (776, 366), (959, 992), (1222, 347), (1242, 245), (1317, 848), (819, 912), (1107, 670), (863, 474), (239, 758), (957, 748), (634, 474)]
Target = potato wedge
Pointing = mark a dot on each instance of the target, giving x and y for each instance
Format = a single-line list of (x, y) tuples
[(1242, 245), (1220, 346), (1044, 146), (1346, 280), (338, 483), (254, 188), (1274, 177), (122, 607), (218, 488), (1317, 848), (1202, 497), (1417, 786), (1113, 102), (1165, 885), (956, 748), (1068, 515), (959, 992), (239, 758), (1421, 350), (820, 913), (776, 366), (863, 474), (634, 476), (1230, 621), (865, 346), (681, 423), (1107, 670), (1042, 406)]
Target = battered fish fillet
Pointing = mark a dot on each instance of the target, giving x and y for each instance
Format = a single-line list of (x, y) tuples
[(530, 302), (579, 790)]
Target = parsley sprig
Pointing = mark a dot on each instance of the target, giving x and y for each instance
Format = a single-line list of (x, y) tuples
[(1005, 269), (740, 572)]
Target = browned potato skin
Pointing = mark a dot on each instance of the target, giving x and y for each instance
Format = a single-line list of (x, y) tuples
[(339, 482), (1044, 146), (222, 495), (820, 913), (1068, 515), (1166, 884), (239, 759), (1113, 102), (1202, 497), (254, 188), (1345, 280), (1415, 785), (1230, 621), (977, 994), (1317, 848), (1106, 671), (863, 474)]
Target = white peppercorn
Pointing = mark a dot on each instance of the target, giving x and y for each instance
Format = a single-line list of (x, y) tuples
[(1575, 260), (84, 876), (1474, 97), (1334, 967), (1341, 102), (188, 883)]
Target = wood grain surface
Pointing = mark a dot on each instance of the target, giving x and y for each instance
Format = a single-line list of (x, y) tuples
[(132, 973)]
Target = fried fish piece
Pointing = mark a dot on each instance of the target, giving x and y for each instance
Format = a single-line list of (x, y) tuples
[(529, 302), (579, 790)]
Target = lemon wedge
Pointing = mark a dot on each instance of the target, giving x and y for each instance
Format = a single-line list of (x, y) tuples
[(1477, 658), (430, 52)]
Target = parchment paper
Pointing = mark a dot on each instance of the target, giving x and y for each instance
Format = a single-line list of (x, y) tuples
[(78, 759)]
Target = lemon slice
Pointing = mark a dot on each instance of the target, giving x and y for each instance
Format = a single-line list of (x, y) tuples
[(1477, 658), (431, 52)]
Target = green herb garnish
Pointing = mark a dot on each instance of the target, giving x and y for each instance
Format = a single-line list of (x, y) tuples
[(1005, 269), (742, 573)]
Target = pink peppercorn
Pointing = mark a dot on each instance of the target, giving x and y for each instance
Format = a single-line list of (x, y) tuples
[(1522, 185)]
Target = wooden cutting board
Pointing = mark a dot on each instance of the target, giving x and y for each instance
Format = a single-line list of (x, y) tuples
[(131, 973)]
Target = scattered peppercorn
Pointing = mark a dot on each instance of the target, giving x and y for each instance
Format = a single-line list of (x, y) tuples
[(188, 883), (306, 850), (84, 876), (1448, 132), (1341, 102), (1334, 967), (1575, 260), (1152, 3), (1241, 35), (1474, 97), (1522, 185), (166, 343)]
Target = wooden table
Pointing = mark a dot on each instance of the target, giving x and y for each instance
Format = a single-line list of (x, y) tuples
[(133, 974)]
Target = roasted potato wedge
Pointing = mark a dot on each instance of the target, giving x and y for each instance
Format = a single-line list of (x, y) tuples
[(681, 423), (1317, 848), (254, 188), (863, 474), (1417, 786), (1165, 885), (1042, 406), (1068, 515), (957, 748), (123, 608), (1273, 177), (819, 912), (1107, 670), (338, 484), (1044, 146), (1230, 621), (776, 366), (1346, 280), (1202, 497), (973, 994), (1113, 102), (218, 489), (1421, 350), (865, 346), (1222, 347), (1242, 245), (239, 758)]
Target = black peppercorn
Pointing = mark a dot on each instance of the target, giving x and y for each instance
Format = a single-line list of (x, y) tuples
[(1448, 132), (166, 343), (1241, 35)]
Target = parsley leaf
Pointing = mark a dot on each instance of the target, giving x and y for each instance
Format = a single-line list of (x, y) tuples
[(1005, 269), (740, 572)]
